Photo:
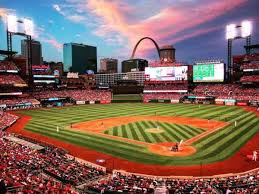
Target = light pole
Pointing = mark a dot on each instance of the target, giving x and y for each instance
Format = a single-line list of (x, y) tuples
[(234, 32)]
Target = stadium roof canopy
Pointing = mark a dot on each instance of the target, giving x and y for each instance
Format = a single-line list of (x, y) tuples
[(6, 53)]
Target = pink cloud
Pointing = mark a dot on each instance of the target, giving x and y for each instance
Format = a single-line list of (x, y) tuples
[(167, 22), (4, 12), (52, 41)]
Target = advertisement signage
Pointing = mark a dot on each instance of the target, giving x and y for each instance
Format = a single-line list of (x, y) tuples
[(174, 101), (80, 102), (208, 72), (166, 73)]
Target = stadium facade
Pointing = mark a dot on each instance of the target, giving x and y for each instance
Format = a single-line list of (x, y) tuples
[(134, 65)]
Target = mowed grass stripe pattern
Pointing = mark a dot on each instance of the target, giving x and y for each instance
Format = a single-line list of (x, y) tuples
[(216, 147), (170, 132)]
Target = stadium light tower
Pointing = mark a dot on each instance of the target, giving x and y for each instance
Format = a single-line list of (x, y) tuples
[(234, 32), (22, 27)]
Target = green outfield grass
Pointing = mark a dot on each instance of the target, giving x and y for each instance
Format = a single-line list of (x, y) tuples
[(216, 147)]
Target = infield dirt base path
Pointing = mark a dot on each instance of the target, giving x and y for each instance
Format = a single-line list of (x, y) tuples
[(98, 126), (237, 163)]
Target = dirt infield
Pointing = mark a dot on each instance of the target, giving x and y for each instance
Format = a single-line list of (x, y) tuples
[(165, 149), (98, 126), (237, 163)]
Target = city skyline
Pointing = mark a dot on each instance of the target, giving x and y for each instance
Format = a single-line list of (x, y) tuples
[(196, 28)]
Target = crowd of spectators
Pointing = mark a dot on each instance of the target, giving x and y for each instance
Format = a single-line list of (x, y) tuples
[(69, 170), (11, 79), (250, 78), (166, 87), (247, 183), (250, 66), (161, 96), (226, 91), (7, 66), (155, 91), (78, 95), (6, 119), (221, 91), (29, 171), (15, 101), (167, 64)]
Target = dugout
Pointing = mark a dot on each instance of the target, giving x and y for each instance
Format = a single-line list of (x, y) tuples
[(52, 102)]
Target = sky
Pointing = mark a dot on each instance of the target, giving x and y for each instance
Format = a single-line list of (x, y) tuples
[(196, 28)]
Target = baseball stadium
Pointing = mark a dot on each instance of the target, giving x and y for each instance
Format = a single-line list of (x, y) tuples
[(163, 127)]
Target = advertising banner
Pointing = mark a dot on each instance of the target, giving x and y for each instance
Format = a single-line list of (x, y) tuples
[(80, 102), (166, 73), (174, 101)]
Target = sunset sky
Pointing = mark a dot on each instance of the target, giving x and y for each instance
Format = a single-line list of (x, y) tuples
[(196, 28)]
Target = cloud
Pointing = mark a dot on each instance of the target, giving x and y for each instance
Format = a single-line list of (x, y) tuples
[(56, 7), (78, 35), (168, 22), (53, 42), (4, 12), (76, 18), (167, 25)]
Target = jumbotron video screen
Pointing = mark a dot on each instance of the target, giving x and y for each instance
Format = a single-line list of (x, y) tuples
[(208, 72), (166, 73)]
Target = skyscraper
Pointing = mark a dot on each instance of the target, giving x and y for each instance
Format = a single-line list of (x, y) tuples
[(36, 51), (79, 58)]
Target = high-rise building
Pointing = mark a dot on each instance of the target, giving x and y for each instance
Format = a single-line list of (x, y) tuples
[(167, 54), (36, 51), (134, 65), (79, 58), (109, 65)]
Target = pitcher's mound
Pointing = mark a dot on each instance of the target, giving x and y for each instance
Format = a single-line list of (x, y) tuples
[(154, 130), (165, 149)]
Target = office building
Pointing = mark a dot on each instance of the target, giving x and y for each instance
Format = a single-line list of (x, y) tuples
[(79, 58), (108, 65), (36, 51)]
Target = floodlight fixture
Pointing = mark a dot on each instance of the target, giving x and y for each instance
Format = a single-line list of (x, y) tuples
[(246, 29), (12, 23), (28, 26), (231, 31)]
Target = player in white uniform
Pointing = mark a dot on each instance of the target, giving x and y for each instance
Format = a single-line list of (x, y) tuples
[(254, 155)]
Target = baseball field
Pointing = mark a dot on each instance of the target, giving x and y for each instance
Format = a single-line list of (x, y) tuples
[(144, 133)]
